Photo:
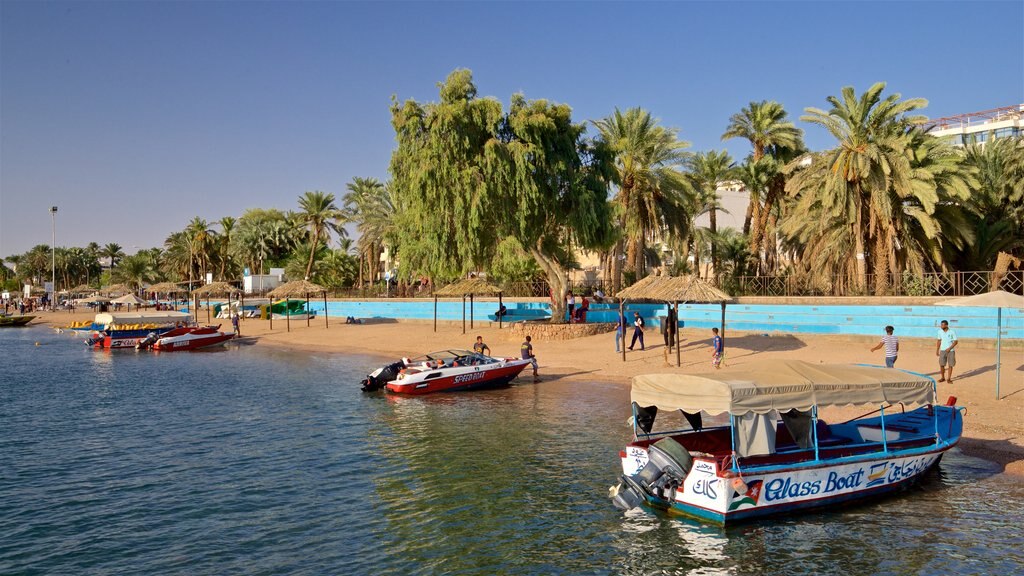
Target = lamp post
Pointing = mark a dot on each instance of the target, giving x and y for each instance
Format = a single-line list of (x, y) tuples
[(53, 254)]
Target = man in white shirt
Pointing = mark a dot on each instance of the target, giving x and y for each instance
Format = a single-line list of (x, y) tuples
[(945, 349)]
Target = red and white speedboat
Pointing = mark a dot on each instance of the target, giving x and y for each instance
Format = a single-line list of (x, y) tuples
[(190, 338), (445, 371)]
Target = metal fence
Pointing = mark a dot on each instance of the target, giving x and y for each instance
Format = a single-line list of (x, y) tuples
[(933, 284)]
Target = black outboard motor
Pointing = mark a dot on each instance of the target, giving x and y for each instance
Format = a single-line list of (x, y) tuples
[(148, 341), (668, 463), (378, 378)]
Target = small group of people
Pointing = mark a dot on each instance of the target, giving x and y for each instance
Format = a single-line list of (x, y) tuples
[(525, 352), (946, 342), (576, 315)]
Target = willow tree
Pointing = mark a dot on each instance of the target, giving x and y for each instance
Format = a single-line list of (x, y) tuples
[(466, 175)]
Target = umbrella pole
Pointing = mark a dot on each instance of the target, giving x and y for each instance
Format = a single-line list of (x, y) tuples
[(435, 313), (307, 310), (287, 316), (326, 321), (999, 345), (622, 314), (470, 311), (270, 313), (500, 315), (679, 342), (723, 328), (209, 320), (463, 313)]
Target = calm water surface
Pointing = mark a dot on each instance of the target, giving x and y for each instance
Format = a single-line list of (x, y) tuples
[(252, 461)]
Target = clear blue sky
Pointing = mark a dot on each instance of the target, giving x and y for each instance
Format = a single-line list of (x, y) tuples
[(133, 117)]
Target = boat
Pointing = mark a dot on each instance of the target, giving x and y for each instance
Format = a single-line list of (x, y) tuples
[(11, 321), (186, 338), (755, 465), (444, 371), (126, 329)]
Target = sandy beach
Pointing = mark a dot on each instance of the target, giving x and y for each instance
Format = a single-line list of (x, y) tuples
[(993, 428)]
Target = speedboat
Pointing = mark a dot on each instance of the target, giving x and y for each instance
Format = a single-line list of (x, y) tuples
[(127, 329), (775, 455), (444, 371), (187, 338)]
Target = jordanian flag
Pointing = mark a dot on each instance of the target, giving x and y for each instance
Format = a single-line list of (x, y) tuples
[(751, 496)]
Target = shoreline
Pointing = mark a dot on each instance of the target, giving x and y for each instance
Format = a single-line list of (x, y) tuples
[(993, 429)]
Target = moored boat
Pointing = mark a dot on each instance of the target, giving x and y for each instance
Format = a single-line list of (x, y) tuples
[(758, 465), (11, 321), (189, 338), (127, 329), (444, 371)]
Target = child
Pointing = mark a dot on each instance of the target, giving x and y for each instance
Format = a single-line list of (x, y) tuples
[(717, 349)]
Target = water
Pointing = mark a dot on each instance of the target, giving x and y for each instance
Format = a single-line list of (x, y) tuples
[(248, 460)]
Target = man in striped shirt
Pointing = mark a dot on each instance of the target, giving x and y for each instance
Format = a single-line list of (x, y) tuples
[(892, 346)]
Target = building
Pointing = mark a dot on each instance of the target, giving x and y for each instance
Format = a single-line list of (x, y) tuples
[(980, 127)]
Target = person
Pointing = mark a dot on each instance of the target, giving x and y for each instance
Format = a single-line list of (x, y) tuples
[(234, 321), (892, 346), (945, 349), (570, 303), (638, 331), (526, 353), (581, 312), (717, 349), (599, 296), (480, 347), (501, 313), (620, 330)]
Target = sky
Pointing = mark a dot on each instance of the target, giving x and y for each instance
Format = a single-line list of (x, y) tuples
[(134, 117)]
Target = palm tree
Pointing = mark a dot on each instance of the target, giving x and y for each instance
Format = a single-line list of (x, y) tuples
[(854, 179), (653, 200), (996, 203), (112, 251), (765, 126), (200, 237), (136, 270), (318, 213), (227, 228), (706, 171), (371, 205)]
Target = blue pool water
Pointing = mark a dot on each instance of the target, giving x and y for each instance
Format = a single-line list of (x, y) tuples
[(254, 461)]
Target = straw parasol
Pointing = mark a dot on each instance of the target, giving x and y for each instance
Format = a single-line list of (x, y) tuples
[(129, 299), (167, 288), (82, 289), (213, 289), (298, 288), (997, 299), (116, 289), (470, 287), (673, 290)]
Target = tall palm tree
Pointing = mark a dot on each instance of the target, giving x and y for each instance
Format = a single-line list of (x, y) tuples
[(653, 199), (765, 126), (112, 251), (997, 202), (371, 205), (319, 214), (136, 270), (706, 171), (200, 237), (227, 228), (854, 179)]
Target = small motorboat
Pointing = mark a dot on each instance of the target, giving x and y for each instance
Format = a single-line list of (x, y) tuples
[(11, 321), (444, 371), (186, 338), (775, 456)]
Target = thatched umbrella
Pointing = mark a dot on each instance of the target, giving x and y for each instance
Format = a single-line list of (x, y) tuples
[(129, 299), (469, 286), (213, 289), (166, 288), (82, 289), (297, 288), (116, 290), (672, 290)]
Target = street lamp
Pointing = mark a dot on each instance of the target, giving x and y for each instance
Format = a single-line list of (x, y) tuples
[(53, 254)]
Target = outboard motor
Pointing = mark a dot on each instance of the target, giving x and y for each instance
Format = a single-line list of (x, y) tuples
[(668, 463), (378, 378), (148, 341)]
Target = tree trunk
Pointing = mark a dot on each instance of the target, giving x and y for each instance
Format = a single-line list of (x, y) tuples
[(557, 280), (713, 227), (631, 256), (859, 256), (616, 258), (761, 223), (751, 208), (640, 265), (312, 252)]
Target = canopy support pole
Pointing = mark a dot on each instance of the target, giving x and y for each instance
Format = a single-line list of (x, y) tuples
[(500, 315), (287, 313), (471, 311), (209, 320), (881, 419), (435, 312), (723, 328), (463, 313), (814, 430), (327, 323), (732, 438), (632, 407), (307, 310), (679, 342), (622, 324), (999, 345)]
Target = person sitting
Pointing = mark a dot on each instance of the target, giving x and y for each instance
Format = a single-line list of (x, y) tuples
[(581, 312), (598, 296), (501, 313)]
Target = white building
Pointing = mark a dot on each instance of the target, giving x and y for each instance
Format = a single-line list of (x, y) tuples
[(980, 127)]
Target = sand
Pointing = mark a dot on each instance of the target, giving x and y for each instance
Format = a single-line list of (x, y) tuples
[(993, 428)]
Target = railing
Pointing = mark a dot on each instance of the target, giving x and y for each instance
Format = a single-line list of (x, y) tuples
[(932, 284)]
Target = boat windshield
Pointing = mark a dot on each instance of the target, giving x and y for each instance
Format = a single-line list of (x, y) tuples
[(454, 358)]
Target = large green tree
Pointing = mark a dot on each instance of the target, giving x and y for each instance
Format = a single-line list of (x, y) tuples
[(706, 171), (652, 199), (467, 174)]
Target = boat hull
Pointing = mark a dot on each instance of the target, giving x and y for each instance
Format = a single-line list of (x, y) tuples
[(715, 492), (193, 339), (458, 379), (15, 321)]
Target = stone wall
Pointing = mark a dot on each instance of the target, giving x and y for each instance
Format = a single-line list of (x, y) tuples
[(541, 331)]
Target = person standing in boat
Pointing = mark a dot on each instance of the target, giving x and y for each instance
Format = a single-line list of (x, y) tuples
[(892, 346), (945, 349), (480, 348), (526, 353)]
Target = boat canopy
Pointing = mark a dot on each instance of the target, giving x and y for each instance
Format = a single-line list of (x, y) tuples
[(153, 317), (783, 385)]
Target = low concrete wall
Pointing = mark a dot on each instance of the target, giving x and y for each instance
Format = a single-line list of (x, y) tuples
[(542, 331)]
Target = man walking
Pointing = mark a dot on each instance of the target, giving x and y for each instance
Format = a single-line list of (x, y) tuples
[(234, 322), (892, 346), (717, 349), (526, 353), (638, 330), (480, 348), (945, 349)]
